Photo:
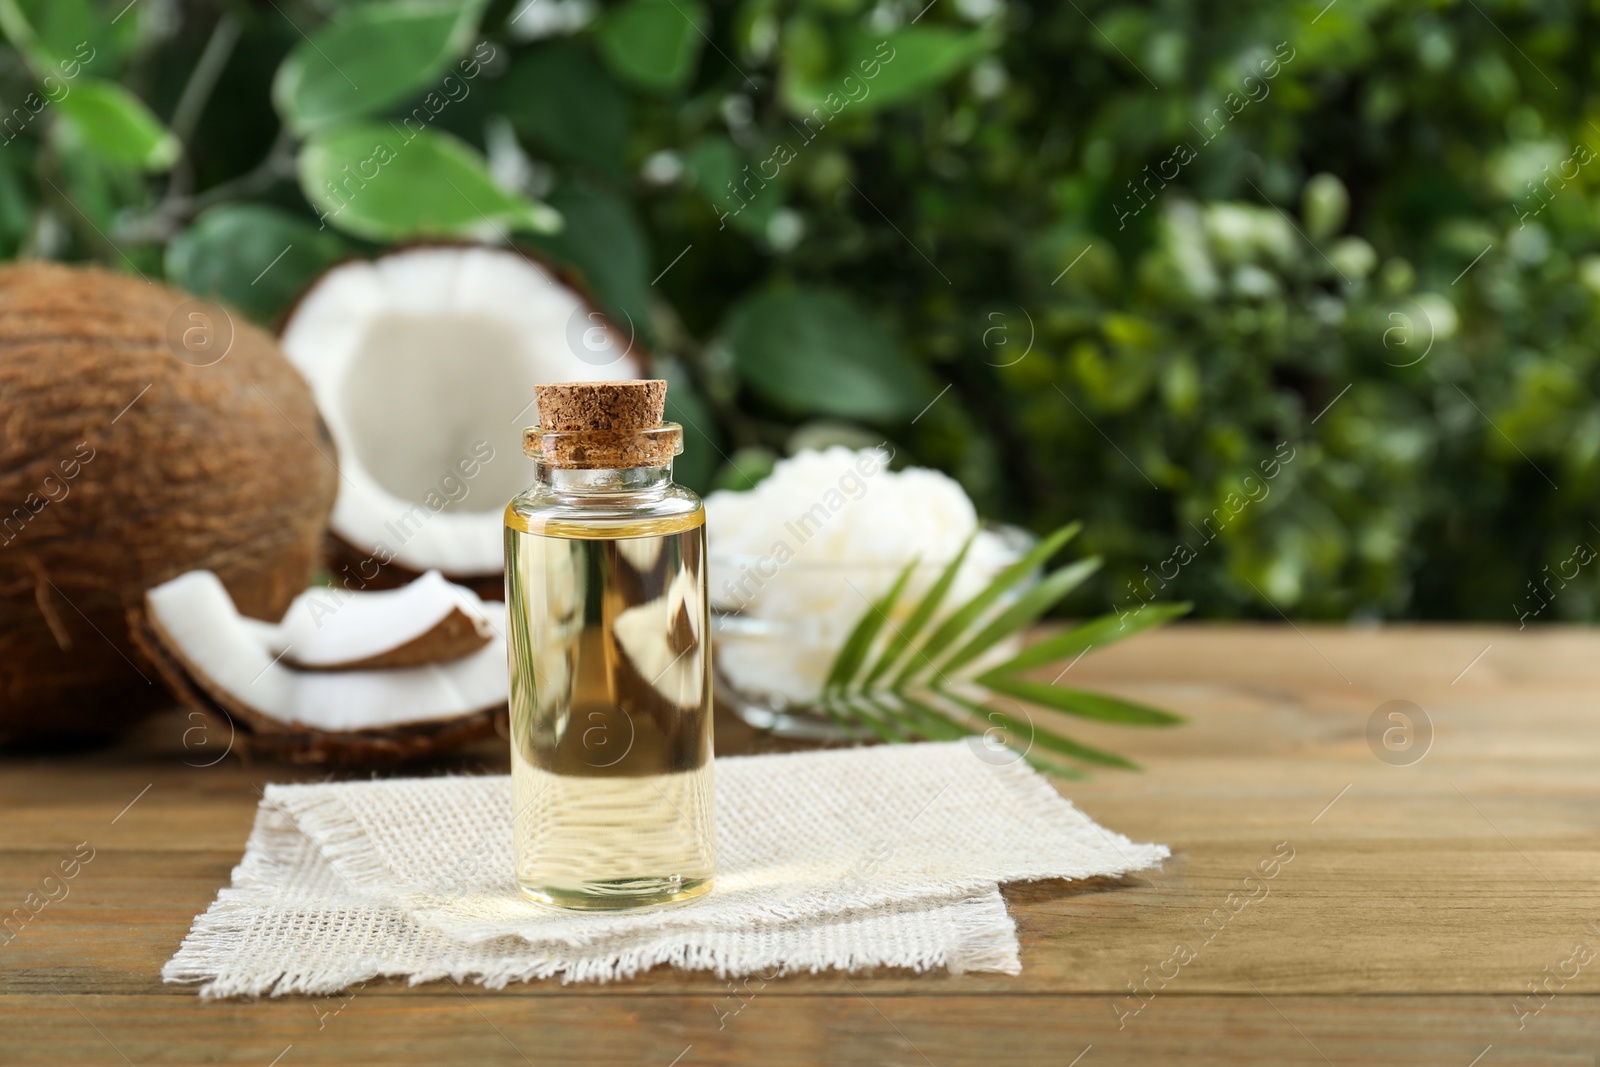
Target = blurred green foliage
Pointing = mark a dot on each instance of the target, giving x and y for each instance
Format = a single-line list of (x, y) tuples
[(1294, 304)]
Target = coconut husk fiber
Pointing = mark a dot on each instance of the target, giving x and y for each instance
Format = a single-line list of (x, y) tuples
[(124, 462)]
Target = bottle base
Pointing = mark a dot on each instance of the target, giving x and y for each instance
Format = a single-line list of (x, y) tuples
[(630, 895)]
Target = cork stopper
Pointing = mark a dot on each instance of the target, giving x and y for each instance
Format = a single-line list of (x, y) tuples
[(597, 425), (631, 405)]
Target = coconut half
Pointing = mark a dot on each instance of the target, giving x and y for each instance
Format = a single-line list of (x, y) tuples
[(423, 363), (144, 433), (222, 662)]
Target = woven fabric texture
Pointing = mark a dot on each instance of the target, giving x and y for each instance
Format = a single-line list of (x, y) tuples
[(871, 857)]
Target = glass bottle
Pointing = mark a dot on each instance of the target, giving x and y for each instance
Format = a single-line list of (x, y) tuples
[(610, 657)]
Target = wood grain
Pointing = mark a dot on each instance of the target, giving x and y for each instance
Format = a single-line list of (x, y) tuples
[(1419, 903)]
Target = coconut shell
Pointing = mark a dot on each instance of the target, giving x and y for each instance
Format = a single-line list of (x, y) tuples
[(124, 462), (251, 733)]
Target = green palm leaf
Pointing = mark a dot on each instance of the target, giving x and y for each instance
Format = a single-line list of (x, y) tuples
[(1028, 607), (878, 685), (854, 651), (910, 723), (1082, 704), (953, 728), (1048, 766), (858, 713), (1096, 633), (935, 724), (958, 623), (1039, 736), (901, 639)]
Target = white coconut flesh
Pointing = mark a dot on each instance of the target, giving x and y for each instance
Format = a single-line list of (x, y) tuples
[(337, 629), (233, 659), (423, 363)]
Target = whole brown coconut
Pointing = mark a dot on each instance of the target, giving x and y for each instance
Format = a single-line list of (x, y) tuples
[(143, 433)]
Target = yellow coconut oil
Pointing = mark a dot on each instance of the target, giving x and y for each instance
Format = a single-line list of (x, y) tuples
[(611, 744)]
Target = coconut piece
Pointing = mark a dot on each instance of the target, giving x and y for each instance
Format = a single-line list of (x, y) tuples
[(250, 734), (224, 664), (427, 621), (145, 434), (424, 362), (196, 622)]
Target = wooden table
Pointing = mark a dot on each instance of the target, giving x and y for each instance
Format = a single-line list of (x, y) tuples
[(1421, 901)]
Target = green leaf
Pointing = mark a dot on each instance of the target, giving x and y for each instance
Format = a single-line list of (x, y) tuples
[(856, 698), (59, 37), (856, 712), (95, 188), (115, 125), (847, 723), (872, 71), (386, 182), (958, 622), (1087, 753), (806, 51), (16, 199), (562, 101), (654, 44), (603, 240), (817, 352), (1096, 633), (727, 183), (375, 55), (907, 724), (254, 257), (918, 58), (1084, 705), (1060, 770), (14, 23), (932, 722), (920, 615), (1038, 735), (1027, 607), (854, 650)]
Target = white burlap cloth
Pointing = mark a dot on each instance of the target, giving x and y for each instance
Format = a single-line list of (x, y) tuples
[(888, 856)]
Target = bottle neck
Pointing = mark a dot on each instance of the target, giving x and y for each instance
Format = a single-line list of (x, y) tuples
[(605, 482)]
